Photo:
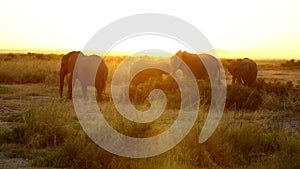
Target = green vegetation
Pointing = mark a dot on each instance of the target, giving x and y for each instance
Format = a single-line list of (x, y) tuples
[(256, 129)]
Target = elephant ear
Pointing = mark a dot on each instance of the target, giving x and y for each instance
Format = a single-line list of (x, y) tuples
[(179, 53), (185, 53), (233, 66), (64, 61)]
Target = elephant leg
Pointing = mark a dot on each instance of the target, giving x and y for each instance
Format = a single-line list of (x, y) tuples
[(61, 82), (70, 86), (99, 88)]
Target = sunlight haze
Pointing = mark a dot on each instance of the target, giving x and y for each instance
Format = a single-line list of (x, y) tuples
[(266, 29)]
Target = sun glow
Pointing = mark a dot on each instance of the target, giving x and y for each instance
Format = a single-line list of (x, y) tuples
[(255, 29)]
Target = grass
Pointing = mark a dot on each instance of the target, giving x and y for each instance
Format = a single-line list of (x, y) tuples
[(46, 130), (24, 68), (53, 137)]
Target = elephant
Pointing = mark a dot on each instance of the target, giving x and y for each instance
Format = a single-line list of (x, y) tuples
[(141, 75), (244, 71), (67, 67), (197, 65), (84, 68)]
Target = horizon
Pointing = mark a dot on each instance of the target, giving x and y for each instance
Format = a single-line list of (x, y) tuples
[(222, 54)]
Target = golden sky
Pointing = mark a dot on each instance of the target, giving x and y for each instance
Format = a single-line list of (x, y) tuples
[(265, 26)]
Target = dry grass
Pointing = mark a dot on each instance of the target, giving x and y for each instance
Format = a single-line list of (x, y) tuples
[(47, 132), (27, 68)]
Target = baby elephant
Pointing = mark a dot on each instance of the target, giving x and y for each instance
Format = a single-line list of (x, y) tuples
[(244, 71)]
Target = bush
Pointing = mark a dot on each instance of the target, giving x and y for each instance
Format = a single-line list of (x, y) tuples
[(279, 96), (277, 88), (238, 97), (241, 97), (291, 63), (139, 94), (254, 142), (79, 151)]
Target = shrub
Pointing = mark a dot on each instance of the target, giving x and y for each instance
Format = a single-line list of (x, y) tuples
[(291, 63), (241, 97), (279, 96), (277, 88), (139, 94), (79, 151)]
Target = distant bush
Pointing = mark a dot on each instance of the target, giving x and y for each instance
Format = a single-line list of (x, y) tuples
[(7, 57), (291, 63)]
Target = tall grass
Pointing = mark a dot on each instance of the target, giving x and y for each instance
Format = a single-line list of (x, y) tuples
[(53, 137), (22, 68)]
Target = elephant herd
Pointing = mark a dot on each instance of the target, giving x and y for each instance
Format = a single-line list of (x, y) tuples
[(93, 71)]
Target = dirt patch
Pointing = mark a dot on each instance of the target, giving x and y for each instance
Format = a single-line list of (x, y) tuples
[(6, 162), (279, 75)]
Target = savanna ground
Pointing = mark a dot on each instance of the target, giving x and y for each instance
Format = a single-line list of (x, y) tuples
[(259, 127)]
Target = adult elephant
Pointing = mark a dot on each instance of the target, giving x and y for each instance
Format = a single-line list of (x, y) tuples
[(67, 67), (155, 69), (244, 71), (197, 66), (89, 70)]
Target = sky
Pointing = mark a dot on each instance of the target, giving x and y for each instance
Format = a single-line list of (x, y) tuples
[(260, 26)]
